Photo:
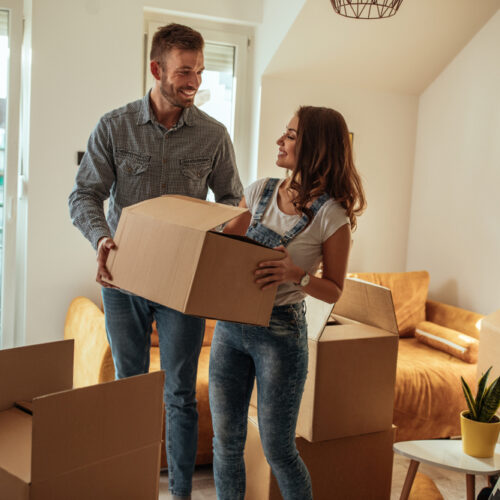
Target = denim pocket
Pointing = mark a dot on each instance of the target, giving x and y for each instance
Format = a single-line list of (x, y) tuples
[(284, 325), (194, 175), (197, 171), (131, 162), (196, 162)]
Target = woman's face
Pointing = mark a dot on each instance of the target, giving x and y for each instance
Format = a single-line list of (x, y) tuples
[(286, 153)]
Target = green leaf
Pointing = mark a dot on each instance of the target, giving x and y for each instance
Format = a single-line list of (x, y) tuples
[(480, 390), (469, 398), (491, 401)]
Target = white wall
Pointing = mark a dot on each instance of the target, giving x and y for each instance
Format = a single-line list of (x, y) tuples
[(455, 212), (277, 18), (384, 127), (86, 60)]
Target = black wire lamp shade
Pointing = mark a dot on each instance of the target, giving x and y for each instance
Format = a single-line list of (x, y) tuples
[(366, 9)]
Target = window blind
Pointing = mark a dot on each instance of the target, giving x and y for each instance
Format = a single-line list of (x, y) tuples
[(219, 57), (4, 23)]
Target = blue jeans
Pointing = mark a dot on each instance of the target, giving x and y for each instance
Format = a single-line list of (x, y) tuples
[(277, 358), (128, 325)]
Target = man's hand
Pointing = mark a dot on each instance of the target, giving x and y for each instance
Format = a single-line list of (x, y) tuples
[(103, 247)]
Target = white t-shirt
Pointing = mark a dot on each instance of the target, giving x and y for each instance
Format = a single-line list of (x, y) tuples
[(306, 248)]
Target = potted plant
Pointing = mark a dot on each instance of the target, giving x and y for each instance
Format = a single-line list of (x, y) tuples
[(480, 426)]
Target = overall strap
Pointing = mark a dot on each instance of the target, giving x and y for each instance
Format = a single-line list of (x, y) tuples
[(265, 199), (302, 223)]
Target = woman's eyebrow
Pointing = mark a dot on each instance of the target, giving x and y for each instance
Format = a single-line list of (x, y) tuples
[(291, 129)]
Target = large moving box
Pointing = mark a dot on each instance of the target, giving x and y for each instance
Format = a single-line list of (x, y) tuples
[(352, 364), (168, 252), (350, 468), (99, 442)]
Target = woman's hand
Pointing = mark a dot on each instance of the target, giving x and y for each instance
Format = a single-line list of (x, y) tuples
[(275, 272)]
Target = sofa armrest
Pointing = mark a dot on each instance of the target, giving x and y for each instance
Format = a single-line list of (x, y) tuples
[(92, 358), (453, 317)]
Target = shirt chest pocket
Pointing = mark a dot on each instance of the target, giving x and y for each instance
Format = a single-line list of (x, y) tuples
[(130, 163), (196, 169)]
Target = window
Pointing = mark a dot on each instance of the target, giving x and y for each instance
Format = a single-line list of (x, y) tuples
[(4, 71), (216, 95), (10, 64)]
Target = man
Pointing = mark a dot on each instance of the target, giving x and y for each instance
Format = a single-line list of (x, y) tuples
[(161, 144)]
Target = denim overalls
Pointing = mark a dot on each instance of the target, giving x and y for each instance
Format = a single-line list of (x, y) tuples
[(276, 356), (258, 232)]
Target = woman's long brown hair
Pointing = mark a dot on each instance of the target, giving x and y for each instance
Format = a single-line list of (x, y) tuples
[(325, 163)]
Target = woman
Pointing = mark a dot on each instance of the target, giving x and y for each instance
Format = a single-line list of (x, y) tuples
[(309, 217)]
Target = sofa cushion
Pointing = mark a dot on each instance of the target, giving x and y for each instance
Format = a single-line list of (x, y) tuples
[(409, 293), (428, 396), (451, 341)]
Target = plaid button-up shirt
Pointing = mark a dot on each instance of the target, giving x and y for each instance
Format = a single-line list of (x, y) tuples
[(130, 158)]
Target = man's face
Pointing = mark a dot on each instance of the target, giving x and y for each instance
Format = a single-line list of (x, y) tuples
[(180, 76)]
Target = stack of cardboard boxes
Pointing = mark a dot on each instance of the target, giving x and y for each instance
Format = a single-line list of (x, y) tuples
[(344, 429)]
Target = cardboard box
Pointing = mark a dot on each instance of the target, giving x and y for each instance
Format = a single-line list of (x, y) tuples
[(352, 364), (99, 442), (169, 253), (347, 468)]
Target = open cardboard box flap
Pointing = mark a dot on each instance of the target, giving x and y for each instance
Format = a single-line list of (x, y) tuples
[(185, 211), (361, 302), (31, 371)]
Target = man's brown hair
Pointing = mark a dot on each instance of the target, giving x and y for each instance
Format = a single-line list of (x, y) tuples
[(173, 36)]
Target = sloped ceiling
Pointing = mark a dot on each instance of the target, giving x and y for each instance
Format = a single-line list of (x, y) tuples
[(403, 54)]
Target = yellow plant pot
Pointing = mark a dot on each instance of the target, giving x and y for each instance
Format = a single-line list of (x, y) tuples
[(478, 438)]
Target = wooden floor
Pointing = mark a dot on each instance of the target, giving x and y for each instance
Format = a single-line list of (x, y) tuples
[(451, 484)]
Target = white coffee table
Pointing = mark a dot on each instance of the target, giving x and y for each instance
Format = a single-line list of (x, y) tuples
[(447, 454)]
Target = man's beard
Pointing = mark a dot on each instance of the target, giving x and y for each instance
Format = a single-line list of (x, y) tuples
[(169, 93)]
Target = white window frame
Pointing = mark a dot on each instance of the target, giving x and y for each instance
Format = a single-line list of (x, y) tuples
[(216, 32), (9, 260)]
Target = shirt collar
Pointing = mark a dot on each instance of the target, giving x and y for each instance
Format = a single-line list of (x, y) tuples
[(146, 114)]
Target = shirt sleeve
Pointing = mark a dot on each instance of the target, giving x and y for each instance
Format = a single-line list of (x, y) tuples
[(95, 176), (333, 217), (224, 180)]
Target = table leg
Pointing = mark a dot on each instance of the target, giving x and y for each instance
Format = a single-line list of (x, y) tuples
[(410, 476), (470, 479)]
